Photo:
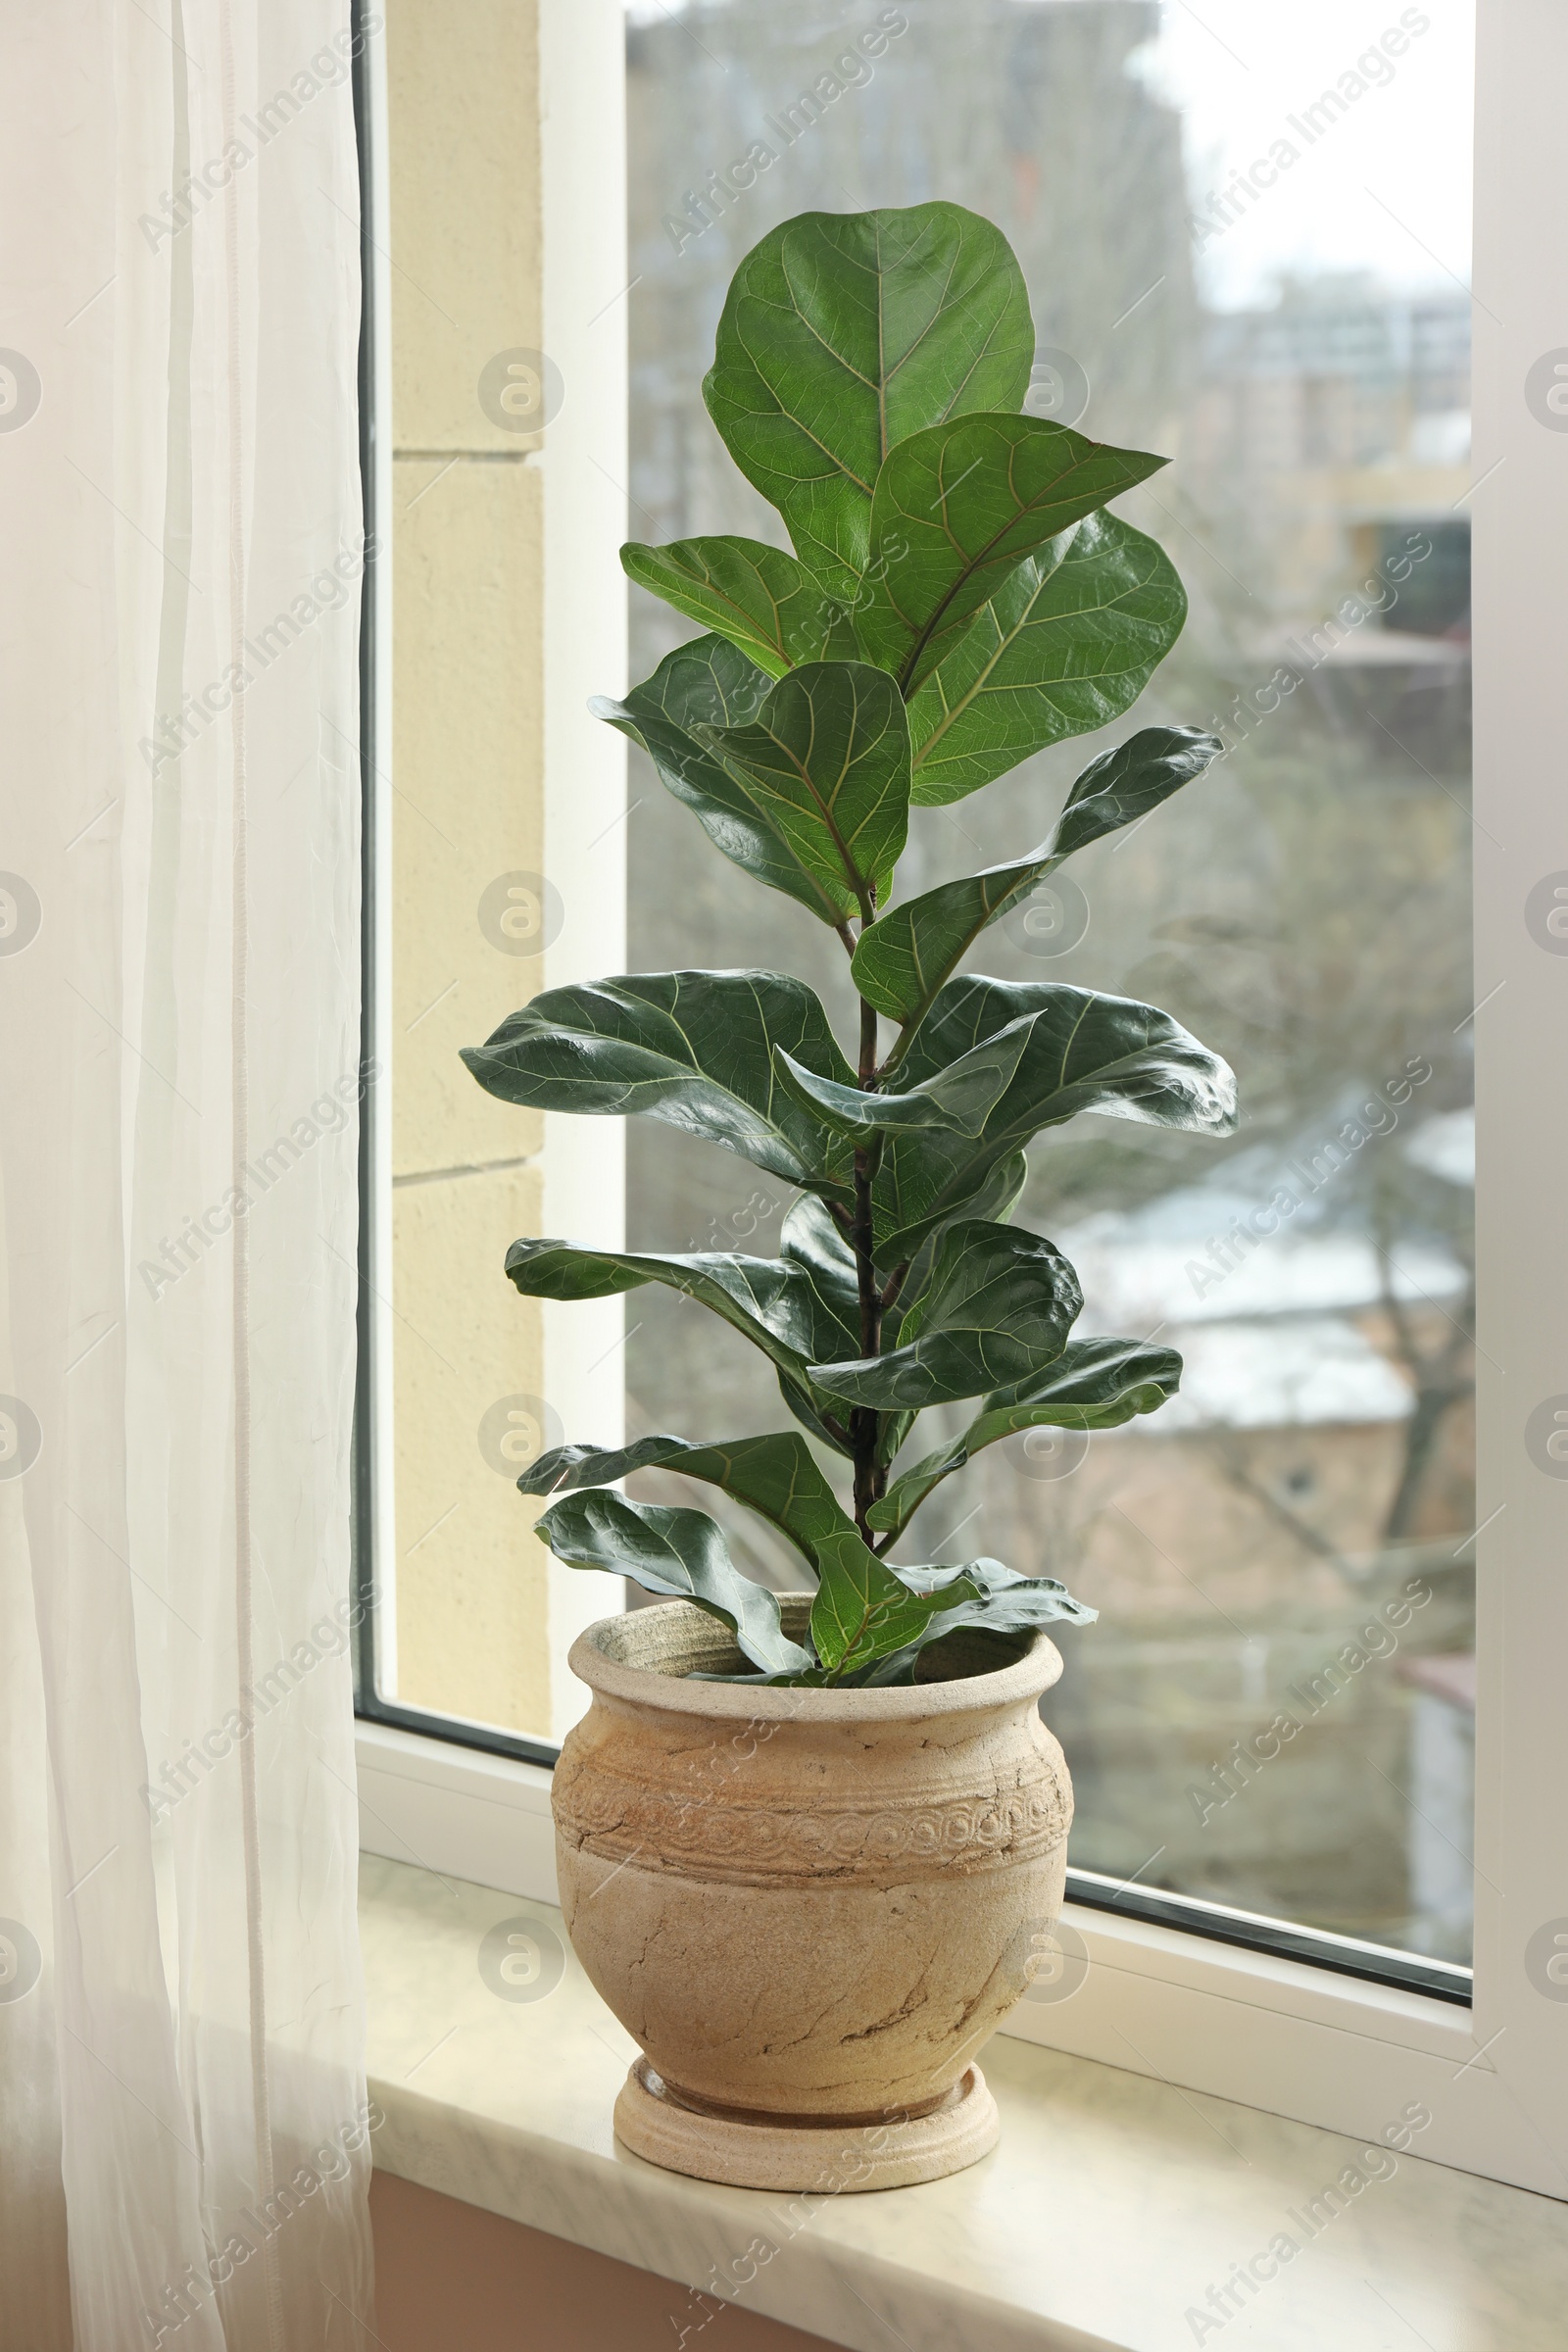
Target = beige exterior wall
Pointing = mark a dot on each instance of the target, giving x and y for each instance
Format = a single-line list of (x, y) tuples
[(466, 807)]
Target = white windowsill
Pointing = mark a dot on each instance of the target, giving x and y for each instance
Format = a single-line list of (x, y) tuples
[(1303, 2042), (1113, 2205)]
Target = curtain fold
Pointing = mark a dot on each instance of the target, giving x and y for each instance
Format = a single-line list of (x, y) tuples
[(185, 2136)]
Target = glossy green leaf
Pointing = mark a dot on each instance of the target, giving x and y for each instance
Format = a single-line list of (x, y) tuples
[(1094, 1384), (764, 601), (901, 960), (826, 762), (992, 1197), (1085, 1052), (1125, 783), (810, 1239), (864, 1608), (956, 509), (769, 1301), (712, 681), (817, 1413), (694, 1049), (982, 1593), (871, 1623), (1061, 649), (679, 1554), (961, 1099), (778, 1477), (998, 1307), (990, 1201), (844, 333)]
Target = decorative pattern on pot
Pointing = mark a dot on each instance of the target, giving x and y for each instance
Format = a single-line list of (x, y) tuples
[(750, 1844)]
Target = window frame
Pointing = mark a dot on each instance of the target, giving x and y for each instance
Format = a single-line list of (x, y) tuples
[(1260, 2012)]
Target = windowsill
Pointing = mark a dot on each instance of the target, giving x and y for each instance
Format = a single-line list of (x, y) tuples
[(1112, 2206)]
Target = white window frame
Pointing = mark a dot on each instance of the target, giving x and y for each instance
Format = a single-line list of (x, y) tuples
[(1297, 2039)]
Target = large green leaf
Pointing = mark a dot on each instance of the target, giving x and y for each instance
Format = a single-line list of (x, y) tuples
[(769, 1300), (863, 1609), (1094, 1384), (1059, 650), (844, 333), (901, 960), (956, 509), (1128, 781), (778, 1477), (1085, 1052), (870, 1620), (826, 762), (810, 1239), (712, 681), (681, 1554), (998, 1307), (961, 1098), (987, 1189), (995, 1193), (815, 1412), (764, 601), (981, 1593), (992, 1200), (692, 1048)]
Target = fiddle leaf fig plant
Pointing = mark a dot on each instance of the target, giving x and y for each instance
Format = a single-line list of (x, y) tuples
[(960, 597)]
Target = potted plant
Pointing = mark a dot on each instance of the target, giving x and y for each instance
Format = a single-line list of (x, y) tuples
[(809, 1842)]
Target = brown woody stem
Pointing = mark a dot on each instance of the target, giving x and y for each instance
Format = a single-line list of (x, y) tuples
[(865, 1424)]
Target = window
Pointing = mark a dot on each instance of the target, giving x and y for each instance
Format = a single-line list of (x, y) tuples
[(1275, 1709), (1247, 245), (489, 628)]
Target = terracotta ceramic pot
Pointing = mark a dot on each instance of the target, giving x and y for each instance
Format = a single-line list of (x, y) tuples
[(809, 1907)]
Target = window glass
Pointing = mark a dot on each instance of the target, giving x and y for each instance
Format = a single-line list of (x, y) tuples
[(460, 899), (1245, 237)]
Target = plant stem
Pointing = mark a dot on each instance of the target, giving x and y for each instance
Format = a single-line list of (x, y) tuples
[(893, 1285), (867, 1045), (865, 1424)]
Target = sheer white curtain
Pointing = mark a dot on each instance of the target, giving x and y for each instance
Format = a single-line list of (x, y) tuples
[(184, 2146)]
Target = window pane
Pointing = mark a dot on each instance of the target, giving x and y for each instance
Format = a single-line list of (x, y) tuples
[(463, 1621), (1247, 244)]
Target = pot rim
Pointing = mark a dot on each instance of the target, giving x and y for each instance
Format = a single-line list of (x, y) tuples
[(1028, 1677)]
